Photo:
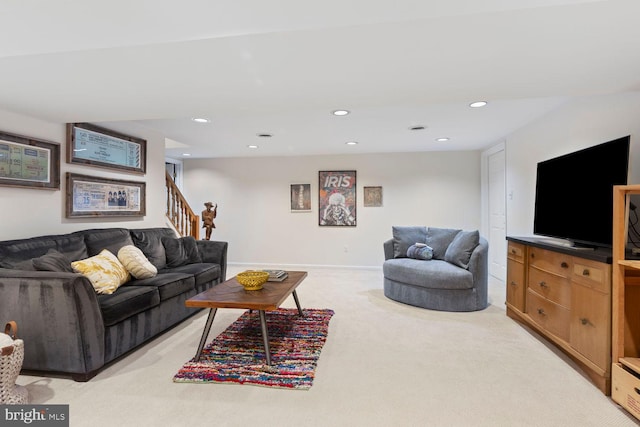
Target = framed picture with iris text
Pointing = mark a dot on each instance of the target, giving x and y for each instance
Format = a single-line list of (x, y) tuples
[(337, 198)]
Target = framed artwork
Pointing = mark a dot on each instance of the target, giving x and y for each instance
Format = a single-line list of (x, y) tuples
[(95, 146), (90, 196), (337, 198), (29, 162), (300, 197), (372, 197)]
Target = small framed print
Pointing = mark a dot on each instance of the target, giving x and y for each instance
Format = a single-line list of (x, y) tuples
[(372, 197), (300, 197)]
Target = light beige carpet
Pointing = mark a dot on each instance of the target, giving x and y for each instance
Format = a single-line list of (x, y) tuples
[(384, 364)]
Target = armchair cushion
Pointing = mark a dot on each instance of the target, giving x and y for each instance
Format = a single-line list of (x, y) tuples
[(440, 239), (460, 249), (404, 237)]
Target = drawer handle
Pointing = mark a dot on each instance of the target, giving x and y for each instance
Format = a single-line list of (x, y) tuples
[(541, 312), (584, 321), (513, 283), (513, 251), (564, 265), (543, 284), (533, 255), (585, 272)]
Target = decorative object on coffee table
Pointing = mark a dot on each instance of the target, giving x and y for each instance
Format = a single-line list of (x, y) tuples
[(237, 355), (11, 357), (252, 280)]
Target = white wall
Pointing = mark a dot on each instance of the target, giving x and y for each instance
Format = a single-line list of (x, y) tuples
[(31, 212), (438, 189), (578, 124)]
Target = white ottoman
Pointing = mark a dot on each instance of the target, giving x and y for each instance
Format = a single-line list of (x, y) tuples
[(11, 357)]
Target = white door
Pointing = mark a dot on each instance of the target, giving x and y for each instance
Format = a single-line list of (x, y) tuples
[(497, 216)]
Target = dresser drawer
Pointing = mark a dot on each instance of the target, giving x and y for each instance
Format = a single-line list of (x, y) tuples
[(515, 284), (554, 288), (548, 315), (593, 274), (625, 389), (553, 262), (515, 251)]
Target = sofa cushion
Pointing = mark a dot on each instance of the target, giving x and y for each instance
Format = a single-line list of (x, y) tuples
[(440, 239), (180, 251), (52, 261), (460, 249), (104, 271), (168, 284), (405, 236), (136, 263), (435, 274), (13, 252), (127, 301), (202, 272), (149, 241), (111, 239), (420, 251)]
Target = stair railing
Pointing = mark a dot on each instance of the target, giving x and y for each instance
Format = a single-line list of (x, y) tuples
[(183, 218)]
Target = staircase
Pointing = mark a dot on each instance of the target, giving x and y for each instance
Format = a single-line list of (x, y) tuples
[(179, 213)]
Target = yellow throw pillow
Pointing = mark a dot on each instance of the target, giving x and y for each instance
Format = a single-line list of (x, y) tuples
[(104, 271), (136, 263)]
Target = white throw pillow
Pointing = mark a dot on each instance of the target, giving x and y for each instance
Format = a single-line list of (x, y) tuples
[(136, 263), (104, 271)]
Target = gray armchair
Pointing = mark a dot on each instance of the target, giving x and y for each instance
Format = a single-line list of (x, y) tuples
[(453, 278)]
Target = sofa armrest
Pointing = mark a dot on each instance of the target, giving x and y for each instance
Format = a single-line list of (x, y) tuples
[(59, 319), (388, 249), (216, 253)]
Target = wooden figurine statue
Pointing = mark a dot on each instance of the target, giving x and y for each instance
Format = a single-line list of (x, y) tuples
[(207, 218)]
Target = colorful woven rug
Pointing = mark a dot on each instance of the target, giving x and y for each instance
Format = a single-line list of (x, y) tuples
[(237, 354)]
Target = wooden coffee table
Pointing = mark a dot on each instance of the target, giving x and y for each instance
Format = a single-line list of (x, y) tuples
[(231, 294)]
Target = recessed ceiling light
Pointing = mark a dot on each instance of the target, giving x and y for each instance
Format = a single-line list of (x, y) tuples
[(417, 128), (264, 135), (352, 143), (253, 147), (186, 154), (200, 120), (478, 104), (442, 139), (341, 112)]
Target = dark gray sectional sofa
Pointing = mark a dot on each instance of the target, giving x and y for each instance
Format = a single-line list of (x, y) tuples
[(70, 329)]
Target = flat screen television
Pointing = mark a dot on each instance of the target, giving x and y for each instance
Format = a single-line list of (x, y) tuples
[(574, 193)]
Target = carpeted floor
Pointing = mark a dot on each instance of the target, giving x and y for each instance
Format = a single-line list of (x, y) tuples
[(237, 354), (383, 364)]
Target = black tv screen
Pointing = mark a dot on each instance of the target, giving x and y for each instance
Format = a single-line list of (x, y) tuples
[(574, 193)]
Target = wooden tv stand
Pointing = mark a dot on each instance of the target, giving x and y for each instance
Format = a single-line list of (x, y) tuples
[(564, 294)]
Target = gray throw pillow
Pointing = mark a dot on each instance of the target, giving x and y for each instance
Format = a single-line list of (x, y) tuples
[(53, 261), (440, 239), (181, 251), (420, 251), (460, 250), (404, 237)]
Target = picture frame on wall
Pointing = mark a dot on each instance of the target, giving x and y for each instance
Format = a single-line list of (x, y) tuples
[(372, 197), (92, 145), (300, 197), (29, 162), (337, 198), (90, 196)]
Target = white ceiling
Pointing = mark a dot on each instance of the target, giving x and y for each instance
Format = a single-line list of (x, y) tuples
[(282, 66)]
